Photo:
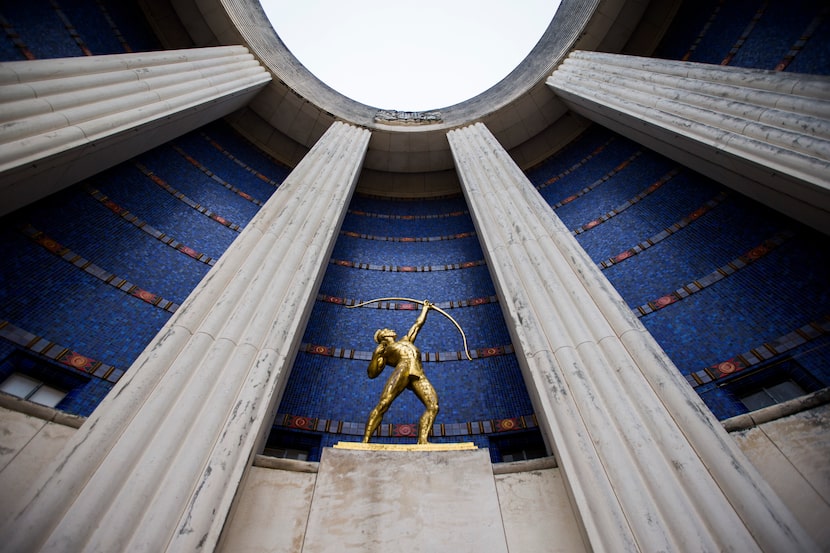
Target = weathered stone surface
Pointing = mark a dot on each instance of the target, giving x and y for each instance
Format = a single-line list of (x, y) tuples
[(537, 515), (792, 452), (271, 513), (764, 133), (405, 501), (645, 464)]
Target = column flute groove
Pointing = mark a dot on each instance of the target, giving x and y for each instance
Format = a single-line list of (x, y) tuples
[(55, 113), (763, 133), (637, 482), (168, 446)]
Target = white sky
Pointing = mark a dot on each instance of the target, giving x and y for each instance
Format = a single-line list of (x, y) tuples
[(412, 55)]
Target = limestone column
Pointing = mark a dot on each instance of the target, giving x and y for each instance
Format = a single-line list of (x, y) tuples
[(647, 466), (763, 133), (157, 464), (63, 120)]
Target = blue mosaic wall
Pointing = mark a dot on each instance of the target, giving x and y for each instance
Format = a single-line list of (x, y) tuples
[(764, 310), (769, 318), (782, 35), (418, 249), (42, 29), (736, 293), (771, 273), (64, 257)]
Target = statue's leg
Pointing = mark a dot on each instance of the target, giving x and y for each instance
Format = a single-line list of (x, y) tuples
[(426, 393), (394, 386)]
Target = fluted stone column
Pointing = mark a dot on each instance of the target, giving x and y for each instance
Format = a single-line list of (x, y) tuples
[(647, 466), (63, 120), (763, 133), (157, 464)]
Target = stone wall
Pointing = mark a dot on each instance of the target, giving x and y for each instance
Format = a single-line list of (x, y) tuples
[(30, 437), (789, 444)]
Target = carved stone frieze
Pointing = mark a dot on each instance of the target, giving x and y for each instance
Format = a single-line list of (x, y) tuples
[(394, 117)]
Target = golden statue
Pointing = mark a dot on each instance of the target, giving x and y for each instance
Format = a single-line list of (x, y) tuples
[(405, 357)]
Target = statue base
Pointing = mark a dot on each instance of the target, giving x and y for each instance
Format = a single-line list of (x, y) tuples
[(426, 501), (360, 446)]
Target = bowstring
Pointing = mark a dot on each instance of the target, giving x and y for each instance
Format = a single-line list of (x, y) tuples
[(419, 302)]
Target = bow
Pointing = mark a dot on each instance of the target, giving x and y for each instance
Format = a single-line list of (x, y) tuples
[(410, 300)]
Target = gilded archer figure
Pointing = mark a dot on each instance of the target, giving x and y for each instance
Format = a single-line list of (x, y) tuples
[(405, 357)]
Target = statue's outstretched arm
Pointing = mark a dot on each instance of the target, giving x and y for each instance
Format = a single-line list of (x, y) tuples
[(419, 322)]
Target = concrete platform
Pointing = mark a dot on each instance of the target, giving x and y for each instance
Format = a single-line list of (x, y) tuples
[(413, 501)]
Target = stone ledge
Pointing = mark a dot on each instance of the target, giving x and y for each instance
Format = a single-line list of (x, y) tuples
[(293, 465), (525, 466), (13, 403), (778, 411)]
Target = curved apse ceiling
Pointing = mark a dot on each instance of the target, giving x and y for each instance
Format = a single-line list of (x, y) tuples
[(412, 56)]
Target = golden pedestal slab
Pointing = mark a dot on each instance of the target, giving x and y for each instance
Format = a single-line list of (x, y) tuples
[(360, 446)]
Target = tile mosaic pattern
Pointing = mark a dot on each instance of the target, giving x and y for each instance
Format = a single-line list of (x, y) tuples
[(84, 391), (401, 241), (407, 268), (745, 34), (157, 234), (448, 224), (760, 354), (15, 39), (602, 163), (799, 44), (672, 202), (730, 268), (124, 222), (352, 329), (599, 181), (579, 164), (115, 281), (616, 211), (336, 388), (116, 32), (63, 355), (395, 305), (65, 28), (703, 31), (344, 281), (812, 57), (665, 233), (184, 199), (216, 177), (70, 28), (407, 430), (399, 217), (129, 188), (200, 188), (696, 227), (726, 232), (774, 35), (426, 356), (424, 252), (408, 238), (241, 163), (777, 26)]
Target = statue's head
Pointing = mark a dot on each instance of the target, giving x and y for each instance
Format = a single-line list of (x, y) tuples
[(383, 333)]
